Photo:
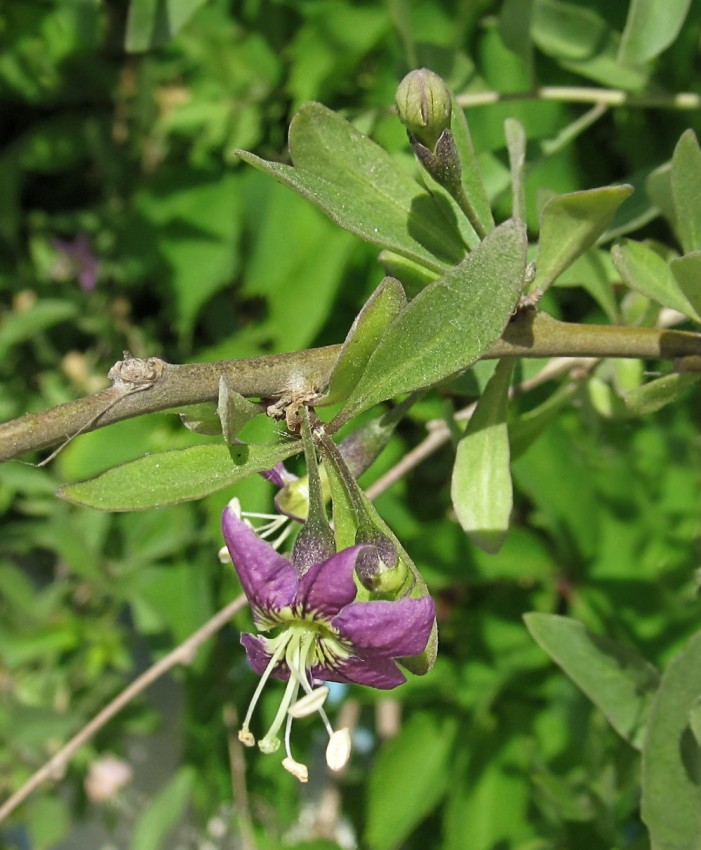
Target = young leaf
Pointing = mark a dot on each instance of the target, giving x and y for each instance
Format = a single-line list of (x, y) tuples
[(167, 807), (233, 411), (614, 677), (570, 224), (360, 187), (646, 272), (687, 273), (449, 324), (378, 312), (671, 802), (516, 145), (651, 26), (653, 396), (481, 487), (151, 23), (686, 190), (164, 478)]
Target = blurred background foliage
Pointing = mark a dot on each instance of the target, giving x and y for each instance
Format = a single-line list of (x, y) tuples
[(127, 222)]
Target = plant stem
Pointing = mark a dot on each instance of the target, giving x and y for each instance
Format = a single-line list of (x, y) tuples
[(182, 654), (529, 334), (585, 94)]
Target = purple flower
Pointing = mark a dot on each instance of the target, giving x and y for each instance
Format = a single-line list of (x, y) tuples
[(326, 635), (80, 259)]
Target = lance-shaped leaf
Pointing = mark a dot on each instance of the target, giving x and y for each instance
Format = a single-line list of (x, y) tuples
[(671, 803), (687, 273), (653, 396), (651, 26), (614, 677), (449, 324), (471, 177), (570, 225), (686, 190), (164, 478), (377, 314), (645, 271), (481, 487), (360, 187)]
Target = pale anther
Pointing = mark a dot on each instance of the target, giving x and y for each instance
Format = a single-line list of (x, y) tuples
[(297, 769), (338, 749), (246, 738), (309, 704)]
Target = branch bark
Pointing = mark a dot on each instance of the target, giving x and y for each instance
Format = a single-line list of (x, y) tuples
[(141, 387)]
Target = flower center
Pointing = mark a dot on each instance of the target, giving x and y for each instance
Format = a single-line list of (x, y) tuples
[(303, 645)]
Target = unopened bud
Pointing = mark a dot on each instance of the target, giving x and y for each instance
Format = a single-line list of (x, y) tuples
[(424, 106), (378, 566)]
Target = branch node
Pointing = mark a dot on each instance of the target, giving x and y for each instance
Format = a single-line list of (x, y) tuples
[(134, 372)]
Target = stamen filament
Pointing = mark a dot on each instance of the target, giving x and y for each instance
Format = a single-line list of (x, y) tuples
[(284, 639), (268, 743)]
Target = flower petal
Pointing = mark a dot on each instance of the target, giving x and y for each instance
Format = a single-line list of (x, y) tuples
[(329, 586), (259, 656), (268, 580), (387, 628), (375, 672)]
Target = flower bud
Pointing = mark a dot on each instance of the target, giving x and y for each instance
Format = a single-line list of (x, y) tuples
[(424, 106), (378, 566)]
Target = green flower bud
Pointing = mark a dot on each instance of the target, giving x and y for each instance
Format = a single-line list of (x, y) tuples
[(424, 106)]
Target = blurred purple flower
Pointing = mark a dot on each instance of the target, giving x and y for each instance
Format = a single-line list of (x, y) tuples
[(79, 260)]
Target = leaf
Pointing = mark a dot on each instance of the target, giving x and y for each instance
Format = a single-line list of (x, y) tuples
[(449, 324), (571, 224), (152, 23), (164, 811), (687, 273), (164, 478), (653, 396), (516, 146), (201, 419), (686, 190), (614, 677), (19, 326), (514, 28), (471, 177), (408, 779), (413, 277), (233, 410), (378, 312), (651, 26), (481, 487), (646, 272), (360, 187), (671, 801)]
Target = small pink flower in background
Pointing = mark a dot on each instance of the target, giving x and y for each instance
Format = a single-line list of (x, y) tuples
[(76, 259), (107, 775)]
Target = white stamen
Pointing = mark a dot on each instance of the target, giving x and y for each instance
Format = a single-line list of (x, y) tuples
[(338, 749), (309, 704), (246, 738), (297, 769), (224, 555)]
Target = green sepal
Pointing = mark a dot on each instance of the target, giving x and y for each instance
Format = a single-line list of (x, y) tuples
[(370, 325)]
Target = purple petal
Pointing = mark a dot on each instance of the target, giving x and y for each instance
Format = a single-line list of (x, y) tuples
[(375, 672), (258, 656), (387, 628), (279, 475), (329, 586), (268, 580)]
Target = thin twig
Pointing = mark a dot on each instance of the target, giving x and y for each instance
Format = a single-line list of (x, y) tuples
[(182, 654), (585, 94)]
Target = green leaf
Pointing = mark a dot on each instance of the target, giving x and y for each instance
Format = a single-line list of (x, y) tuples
[(481, 487), (152, 23), (581, 40), (686, 190), (412, 276), (671, 802), (646, 272), (651, 26), (653, 396), (18, 327), (687, 273), (614, 677), (659, 189), (514, 28), (408, 779), (166, 808), (201, 419), (516, 146), (164, 478), (360, 187), (449, 324), (471, 177), (570, 225), (370, 325)]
